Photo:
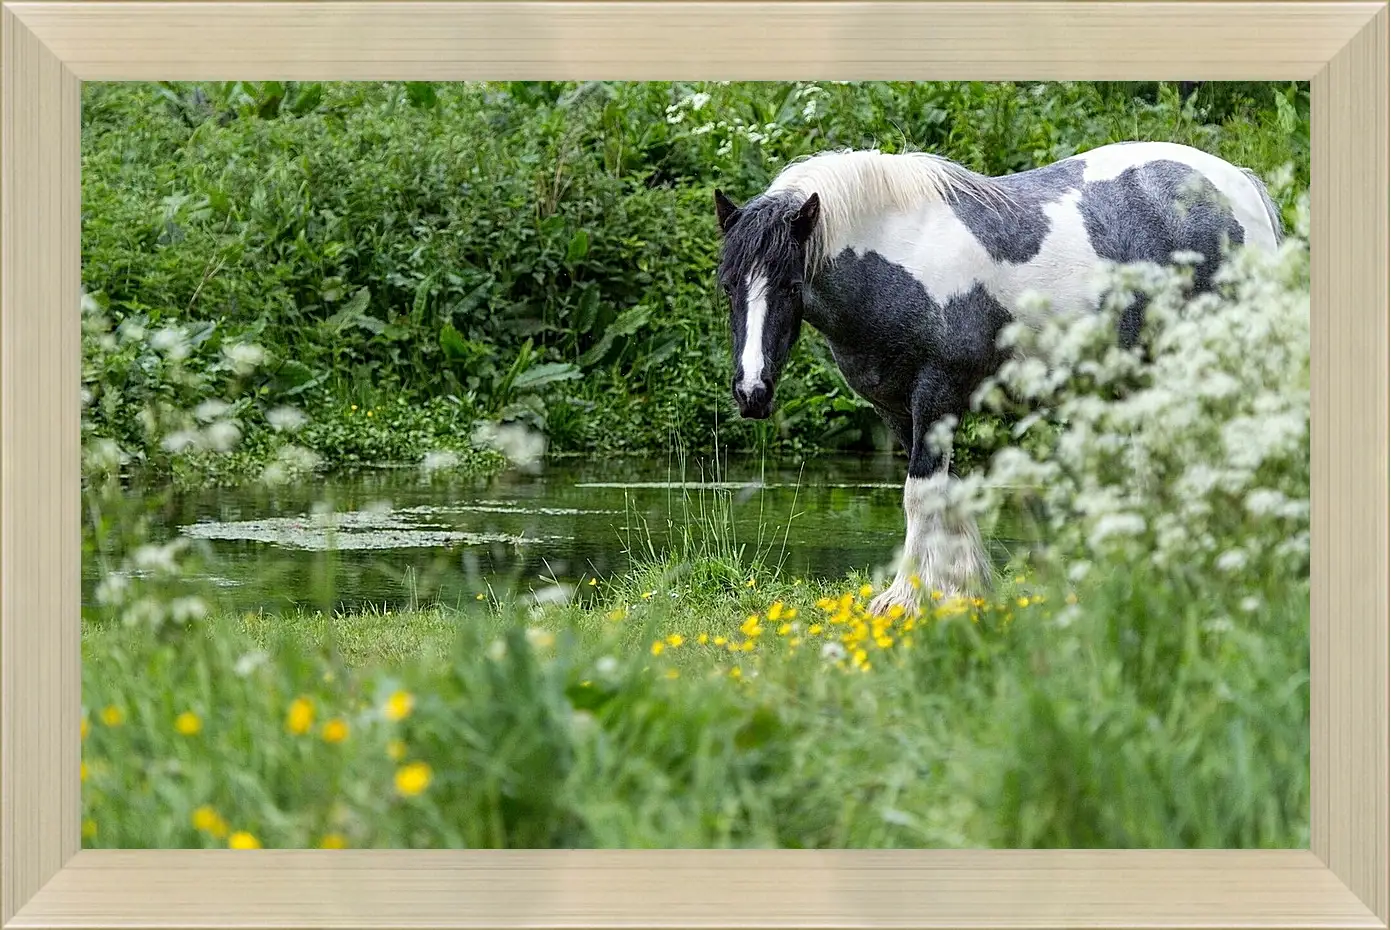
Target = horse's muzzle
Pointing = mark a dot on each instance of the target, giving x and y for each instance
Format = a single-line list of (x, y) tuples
[(755, 403)]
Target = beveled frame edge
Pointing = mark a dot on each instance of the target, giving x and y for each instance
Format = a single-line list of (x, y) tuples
[(48, 48)]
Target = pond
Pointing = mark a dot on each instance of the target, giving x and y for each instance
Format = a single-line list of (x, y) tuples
[(391, 538)]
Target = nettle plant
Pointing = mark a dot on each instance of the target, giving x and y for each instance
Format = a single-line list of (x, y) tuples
[(1192, 454)]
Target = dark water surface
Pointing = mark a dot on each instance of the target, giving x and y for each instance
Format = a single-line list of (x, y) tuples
[(393, 538)]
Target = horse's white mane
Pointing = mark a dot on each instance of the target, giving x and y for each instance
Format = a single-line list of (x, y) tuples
[(854, 184)]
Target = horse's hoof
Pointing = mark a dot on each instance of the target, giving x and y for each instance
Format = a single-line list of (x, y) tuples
[(901, 594)]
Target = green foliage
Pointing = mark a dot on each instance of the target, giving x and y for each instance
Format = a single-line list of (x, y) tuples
[(540, 251)]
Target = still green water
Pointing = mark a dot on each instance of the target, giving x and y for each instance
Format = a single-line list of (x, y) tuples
[(391, 538)]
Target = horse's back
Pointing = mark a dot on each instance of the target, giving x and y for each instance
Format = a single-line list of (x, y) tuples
[(1138, 184)]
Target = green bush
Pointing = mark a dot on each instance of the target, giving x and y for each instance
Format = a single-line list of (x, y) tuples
[(537, 251)]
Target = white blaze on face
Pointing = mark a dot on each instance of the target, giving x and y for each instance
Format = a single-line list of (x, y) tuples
[(756, 314)]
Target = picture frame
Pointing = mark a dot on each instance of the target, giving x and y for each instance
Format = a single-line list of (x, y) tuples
[(49, 48)]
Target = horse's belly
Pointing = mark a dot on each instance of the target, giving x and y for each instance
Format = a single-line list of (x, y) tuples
[(876, 380)]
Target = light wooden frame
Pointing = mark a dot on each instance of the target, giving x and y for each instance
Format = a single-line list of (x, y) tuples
[(49, 48)]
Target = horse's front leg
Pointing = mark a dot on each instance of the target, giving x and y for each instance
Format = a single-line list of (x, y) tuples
[(942, 550)]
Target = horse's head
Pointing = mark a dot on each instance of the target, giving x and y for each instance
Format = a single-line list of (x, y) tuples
[(762, 266)]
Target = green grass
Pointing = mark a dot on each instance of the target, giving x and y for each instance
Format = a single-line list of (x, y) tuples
[(1123, 720)]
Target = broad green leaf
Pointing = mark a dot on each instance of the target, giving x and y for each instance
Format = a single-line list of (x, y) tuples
[(579, 246), (547, 373)]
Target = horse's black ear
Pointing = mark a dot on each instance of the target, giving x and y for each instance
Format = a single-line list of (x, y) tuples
[(804, 220), (726, 210)]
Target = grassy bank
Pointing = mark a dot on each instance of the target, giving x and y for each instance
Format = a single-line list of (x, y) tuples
[(541, 253), (765, 714)]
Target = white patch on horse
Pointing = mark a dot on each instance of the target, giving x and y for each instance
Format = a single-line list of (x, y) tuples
[(756, 313), (1110, 161)]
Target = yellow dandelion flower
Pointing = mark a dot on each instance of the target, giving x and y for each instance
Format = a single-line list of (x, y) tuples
[(243, 840), (915, 581), (89, 829), (413, 779), (478, 596), (208, 820), (703, 638), (1023, 602), (791, 614), (720, 640), (85, 728), (399, 706), (735, 672), (883, 642), (672, 673), (396, 749), (593, 582), (747, 646), (784, 629), (300, 716), (750, 626), (113, 716), (749, 583), (826, 604), (335, 730), (370, 412), (814, 629), (795, 641), (675, 639), (82, 771), (895, 611), (333, 841), (188, 723), (647, 594), (775, 612), (618, 613), (861, 655), (658, 647), (937, 595), (866, 590)]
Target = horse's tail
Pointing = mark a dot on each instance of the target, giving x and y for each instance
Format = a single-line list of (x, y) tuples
[(1277, 225)]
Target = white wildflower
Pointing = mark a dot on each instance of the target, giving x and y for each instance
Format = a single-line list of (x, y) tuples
[(184, 609), (285, 419), (210, 410), (177, 442), (441, 460), (250, 662), (221, 436), (244, 357)]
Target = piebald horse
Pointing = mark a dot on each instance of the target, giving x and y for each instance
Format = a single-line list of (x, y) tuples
[(909, 265)]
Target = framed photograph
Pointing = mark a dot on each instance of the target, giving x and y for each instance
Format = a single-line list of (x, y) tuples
[(717, 463)]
